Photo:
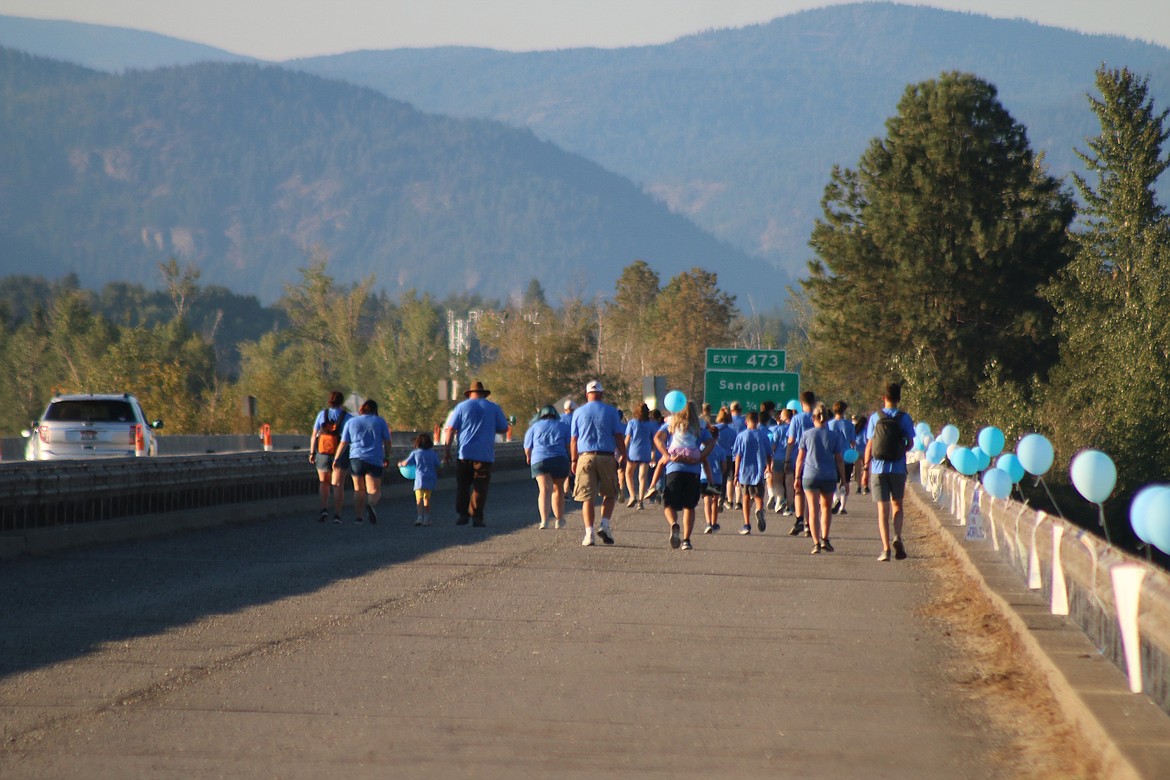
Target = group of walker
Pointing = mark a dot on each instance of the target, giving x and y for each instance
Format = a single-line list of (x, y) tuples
[(799, 462)]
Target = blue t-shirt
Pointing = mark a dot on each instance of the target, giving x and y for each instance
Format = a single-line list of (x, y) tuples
[(701, 438), (594, 426), (779, 435), (844, 426), (640, 440), (879, 466), (739, 423), (821, 447), (715, 463), (365, 434), (726, 438), (426, 468), (753, 449), (547, 439), (477, 421)]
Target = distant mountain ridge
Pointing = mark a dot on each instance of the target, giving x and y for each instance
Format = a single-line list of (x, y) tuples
[(241, 169), (739, 129)]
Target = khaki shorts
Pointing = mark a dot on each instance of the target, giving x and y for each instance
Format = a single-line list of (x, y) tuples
[(596, 473)]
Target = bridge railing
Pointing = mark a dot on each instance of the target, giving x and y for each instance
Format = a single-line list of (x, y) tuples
[(1120, 601)]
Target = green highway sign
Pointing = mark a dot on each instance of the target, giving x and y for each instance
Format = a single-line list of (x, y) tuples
[(750, 388), (745, 359)]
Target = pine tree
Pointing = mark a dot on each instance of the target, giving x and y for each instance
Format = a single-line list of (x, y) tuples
[(931, 253)]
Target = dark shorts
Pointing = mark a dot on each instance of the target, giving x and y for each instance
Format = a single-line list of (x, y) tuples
[(888, 487), (682, 491), (849, 472), (554, 467), (819, 485), (754, 491), (325, 462), (360, 468)]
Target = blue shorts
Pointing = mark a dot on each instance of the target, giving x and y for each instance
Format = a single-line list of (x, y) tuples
[(325, 462), (361, 468), (819, 485), (554, 467)]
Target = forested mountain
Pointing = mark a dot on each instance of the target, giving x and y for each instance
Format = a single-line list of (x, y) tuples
[(739, 129), (242, 169), (104, 48)]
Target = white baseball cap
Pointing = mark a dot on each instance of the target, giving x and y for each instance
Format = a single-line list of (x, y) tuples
[(594, 387)]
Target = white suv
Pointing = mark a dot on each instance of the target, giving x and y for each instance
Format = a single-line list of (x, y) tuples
[(90, 426)]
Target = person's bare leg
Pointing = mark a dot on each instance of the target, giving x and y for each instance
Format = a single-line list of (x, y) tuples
[(543, 497)]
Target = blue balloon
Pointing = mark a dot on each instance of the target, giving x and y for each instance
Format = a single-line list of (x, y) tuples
[(964, 461), (922, 429), (675, 401), (991, 440), (407, 471), (949, 434), (794, 405), (982, 459), (919, 444), (1011, 464), (1157, 523), (1094, 475), (850, 455), (936, 453), (1036, 454), (1139, 513), (997, 483)]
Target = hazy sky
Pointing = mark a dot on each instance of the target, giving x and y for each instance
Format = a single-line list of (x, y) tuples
[(282, 29)]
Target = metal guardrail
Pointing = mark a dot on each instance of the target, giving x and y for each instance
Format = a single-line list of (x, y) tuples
[(1075, 571), (36, 495)]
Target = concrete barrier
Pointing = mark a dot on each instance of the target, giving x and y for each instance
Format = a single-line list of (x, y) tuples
[(45, 505), (1074, 572)]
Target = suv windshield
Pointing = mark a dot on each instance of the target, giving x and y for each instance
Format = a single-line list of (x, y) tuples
[(93, 411)]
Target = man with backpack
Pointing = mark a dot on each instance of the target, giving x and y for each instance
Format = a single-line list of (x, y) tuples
[(891, 435), (323, 445)]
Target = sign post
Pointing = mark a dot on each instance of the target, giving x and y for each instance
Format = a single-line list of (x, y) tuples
[(750, 376)]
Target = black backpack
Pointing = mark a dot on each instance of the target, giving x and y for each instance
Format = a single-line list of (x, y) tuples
[(889, 443)]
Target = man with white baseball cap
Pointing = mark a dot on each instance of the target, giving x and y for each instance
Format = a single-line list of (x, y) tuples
[(597, 438)]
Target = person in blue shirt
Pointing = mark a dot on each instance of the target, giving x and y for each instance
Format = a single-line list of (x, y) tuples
[(365, 440), (844, 426), (640, 432), (801, 422), (715, 465), (753, 458), (475, 421), (781, 472), (888, 473), (726, 440), (546, 448), (820, 463), (685, 445), (598, 439), (860, 423), (426, 475), (323, 444)]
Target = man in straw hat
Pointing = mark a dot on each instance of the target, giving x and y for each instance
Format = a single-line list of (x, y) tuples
[(476, 421), (597, 438)]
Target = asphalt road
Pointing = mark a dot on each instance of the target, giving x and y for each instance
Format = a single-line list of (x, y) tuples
[(291, 649)]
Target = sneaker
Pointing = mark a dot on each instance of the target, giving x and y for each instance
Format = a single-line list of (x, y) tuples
[(709, 529), (358, 519), (827, 546), (426, 520), (630, 504), (807, 532), (321, 518), (337, 519), (816, 550), (558, 524), (463, 520), (781, 506), (843, 512), (588, 541), (652, 492), (715, 528), (477, 522), (761, 524), (787, 512), (885, 556), (797, 528), (371, 515), (686, 544), (641, 506), (747, 529), (899, 550), (543, 525), (604, 534), (417, 521), (675, 540)]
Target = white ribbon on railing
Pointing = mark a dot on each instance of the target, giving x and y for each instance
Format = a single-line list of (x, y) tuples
[(1034, 580), (1087, 540), (1059, 586), (991, 523), (1127, 591), (1021, 551)]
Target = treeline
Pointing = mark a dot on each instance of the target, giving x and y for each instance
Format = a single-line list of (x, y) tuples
[(950, 260), (173, 349)]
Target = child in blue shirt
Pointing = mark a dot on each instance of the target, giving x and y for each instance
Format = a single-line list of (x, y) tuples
[(426, 475)]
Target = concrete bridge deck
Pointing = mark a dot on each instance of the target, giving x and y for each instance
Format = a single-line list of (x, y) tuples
[(286, 648)]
